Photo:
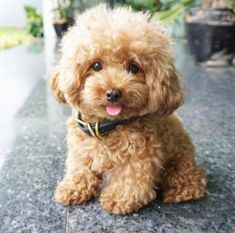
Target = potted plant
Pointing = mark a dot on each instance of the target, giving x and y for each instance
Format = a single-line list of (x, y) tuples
[(210, 31), (63, 16)]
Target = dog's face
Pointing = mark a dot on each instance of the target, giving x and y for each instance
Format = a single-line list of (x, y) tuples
[(115, 64)]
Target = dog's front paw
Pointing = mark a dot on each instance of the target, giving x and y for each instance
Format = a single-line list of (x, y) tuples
[(76, 191), (66, 193), (115, 200), (115, 204)]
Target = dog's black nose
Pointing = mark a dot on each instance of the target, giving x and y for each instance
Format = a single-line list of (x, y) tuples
[(113, 95)]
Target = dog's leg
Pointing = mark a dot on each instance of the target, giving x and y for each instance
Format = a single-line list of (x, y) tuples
[(183, 180), (78, 186), (130, 187)]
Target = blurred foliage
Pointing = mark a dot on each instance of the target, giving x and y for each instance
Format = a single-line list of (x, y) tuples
[(167, 4), (153, 5), (233, 4), (144, 5), (63, 9), (164, 10), (10, 37), (34, 22), (171, 11)]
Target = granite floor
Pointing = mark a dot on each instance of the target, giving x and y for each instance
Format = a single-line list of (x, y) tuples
[(32, 153)]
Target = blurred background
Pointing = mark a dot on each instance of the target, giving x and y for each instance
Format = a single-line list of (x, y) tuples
[(185, 19), (32, 123)]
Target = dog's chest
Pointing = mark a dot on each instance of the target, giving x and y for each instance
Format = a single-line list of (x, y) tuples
[(120, 147)]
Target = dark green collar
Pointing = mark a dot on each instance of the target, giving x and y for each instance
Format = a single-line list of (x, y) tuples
[(98, 129)]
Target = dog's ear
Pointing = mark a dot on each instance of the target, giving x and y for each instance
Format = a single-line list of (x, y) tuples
[(165, 93), (66, 82), (54, 85)]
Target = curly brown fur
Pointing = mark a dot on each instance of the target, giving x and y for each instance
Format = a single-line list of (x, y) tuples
[(150, 152)]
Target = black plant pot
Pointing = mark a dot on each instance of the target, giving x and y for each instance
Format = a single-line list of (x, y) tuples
[(62, 26), (211, 35)]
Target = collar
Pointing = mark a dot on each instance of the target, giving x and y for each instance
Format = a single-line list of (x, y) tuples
[(98, 129)]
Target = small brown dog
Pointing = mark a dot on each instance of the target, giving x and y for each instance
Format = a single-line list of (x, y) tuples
[(117, 74)]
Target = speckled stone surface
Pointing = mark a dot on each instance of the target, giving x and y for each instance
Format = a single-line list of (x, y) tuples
[(33, 163)]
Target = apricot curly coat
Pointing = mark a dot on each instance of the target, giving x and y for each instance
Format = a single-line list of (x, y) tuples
[(153, 150)]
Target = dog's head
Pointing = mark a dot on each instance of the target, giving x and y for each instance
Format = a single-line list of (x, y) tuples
[(116, 64)]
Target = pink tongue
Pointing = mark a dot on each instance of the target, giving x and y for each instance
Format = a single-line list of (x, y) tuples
[(113, 109)]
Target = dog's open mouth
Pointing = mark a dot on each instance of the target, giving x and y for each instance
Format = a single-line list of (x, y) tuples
[(113, 109)]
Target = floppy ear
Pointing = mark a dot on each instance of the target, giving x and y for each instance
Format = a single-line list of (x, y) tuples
[(165, 94), (58, 94)]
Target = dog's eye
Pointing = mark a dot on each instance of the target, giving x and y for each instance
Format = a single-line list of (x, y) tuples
[(133, 68), (97, 66)]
